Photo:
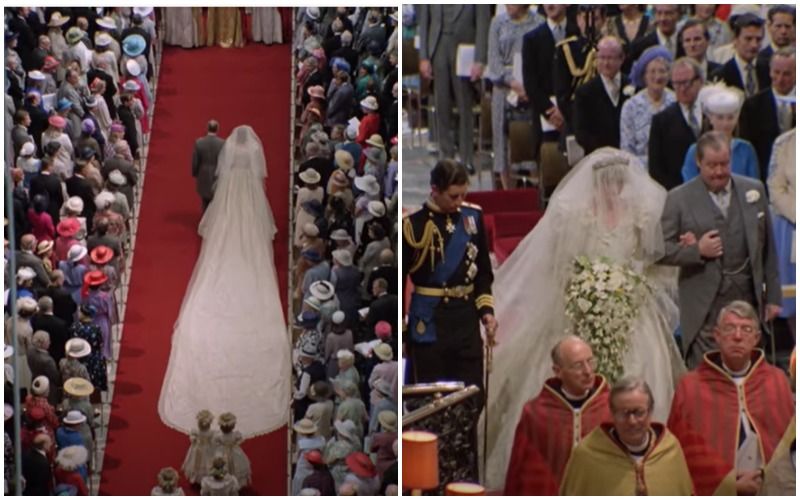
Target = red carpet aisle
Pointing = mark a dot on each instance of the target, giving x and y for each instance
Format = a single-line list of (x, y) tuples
[(234, 86)]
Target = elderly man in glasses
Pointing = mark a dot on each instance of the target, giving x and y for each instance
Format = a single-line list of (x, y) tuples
[(569, 407), (631, 455), (730, 412)]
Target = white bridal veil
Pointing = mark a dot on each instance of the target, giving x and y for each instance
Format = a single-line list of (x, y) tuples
[(230, 350)]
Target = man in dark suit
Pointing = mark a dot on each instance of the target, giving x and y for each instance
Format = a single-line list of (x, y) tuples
[(781, 27), (539, 70), (79, 186), (48, 184), (442, 28), (598, 104), (41, 362), (57, 328), (26, 258), (740, 71), (125, 113), (694, 39), (26, 41), (383, 308), (677, 127), (385, 269), (665, 34), (769, 113), (36, 467), (64, 307), (204, 162)]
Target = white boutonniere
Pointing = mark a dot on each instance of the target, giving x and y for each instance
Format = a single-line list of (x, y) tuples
[(628, 90), (752, 196)]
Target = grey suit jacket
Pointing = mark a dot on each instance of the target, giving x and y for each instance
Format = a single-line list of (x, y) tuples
[(690, 208), (41, 363), (204, 164), (24, 259), (471, 25)]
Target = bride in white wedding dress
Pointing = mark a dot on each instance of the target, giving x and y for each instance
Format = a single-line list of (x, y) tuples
[(230, 350), (609, 207)]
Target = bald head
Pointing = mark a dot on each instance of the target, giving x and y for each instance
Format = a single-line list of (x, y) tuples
[(609, 56), (386, 257), (567, 343), (46, 303), (27, 242), (574, 365)]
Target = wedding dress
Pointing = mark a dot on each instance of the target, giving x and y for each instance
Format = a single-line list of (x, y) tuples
[(607, 206), (230, 350)]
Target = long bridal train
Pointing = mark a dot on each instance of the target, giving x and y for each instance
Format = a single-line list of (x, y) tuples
[(230, 350)]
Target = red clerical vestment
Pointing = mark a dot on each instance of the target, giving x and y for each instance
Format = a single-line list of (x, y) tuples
[(548, 430), (705, 418)]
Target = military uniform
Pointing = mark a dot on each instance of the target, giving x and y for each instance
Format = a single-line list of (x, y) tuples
[(446, 257)]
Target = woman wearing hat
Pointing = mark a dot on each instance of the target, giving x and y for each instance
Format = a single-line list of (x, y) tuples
[(116, 224), (351, 407), (44, 250), (58, 44), (316, 102), (73, 367), (62, 157), (651, 74), (75, 432), (101, 113), (41, 223), (26, 308), (95, 361), (346, 279), (76, 398), (67, 230), (38, 398), (383, 441), (371, 121), (71, 468), (308, 439), (74, 266), (344, 442), (363, 474), (366, 82), (321, 410), (721, 105), (374, 161), (103, 57), (97, 296), (311, 191)]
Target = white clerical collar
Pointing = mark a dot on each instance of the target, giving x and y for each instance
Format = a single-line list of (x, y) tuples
[(639, 449), (573, 397), (737, 373)]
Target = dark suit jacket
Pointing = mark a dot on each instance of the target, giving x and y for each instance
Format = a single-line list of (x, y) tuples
[(50, 186), (538, 67), (58, 330), (729, 73), (383, 308), (127, 169), (110, 92), (204, 164), (758, 124), (389, 273), (639, 46), (37, 473), (670, 138), (42, 363), (596, 118), (111, 242), (26, 41), (470, 25), (37, 126), (80, 187), (126, 117), (762, 65), (64, 307)]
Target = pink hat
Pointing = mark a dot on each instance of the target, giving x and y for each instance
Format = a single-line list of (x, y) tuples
[(383, 330), (57, 121), (118, 127)]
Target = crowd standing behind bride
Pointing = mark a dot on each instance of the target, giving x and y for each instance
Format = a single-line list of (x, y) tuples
[(690, 98)]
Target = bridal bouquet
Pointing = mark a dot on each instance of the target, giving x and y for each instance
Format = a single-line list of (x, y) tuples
[(602, 299)]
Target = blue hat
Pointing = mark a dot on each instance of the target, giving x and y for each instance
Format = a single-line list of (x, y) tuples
[(639, 67), (63, 104), (311, 255), (88, 310), (340, 64), (11, 35), (133, 45), (308, 319)]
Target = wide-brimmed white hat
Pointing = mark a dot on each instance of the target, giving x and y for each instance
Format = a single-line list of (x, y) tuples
[(77, 348), (76, 252), (305, 426), (27, 304), (323, 290), (369, 103), (74, 204), (133, 67), (78, 386), (103, 40), (376, 140), (310, 176), (74, 417), (345, 428), (376, 208), (310, 229), (343, 256), (25, 273), (56, 20), (106, 22), (36, 75), (340, 235), (72, 457), (368, 183), (27, 149)]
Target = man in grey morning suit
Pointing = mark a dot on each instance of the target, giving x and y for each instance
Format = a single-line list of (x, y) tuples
[(717, 228), (204, 162), (442, 28)]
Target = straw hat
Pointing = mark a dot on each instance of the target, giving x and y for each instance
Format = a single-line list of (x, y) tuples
[(369, 103), (57, 20), (77, 386), (368, 184), (383, 351), (339, 178), (310, 176), (376, 140), (310, 229), (343, 159), (388, 419), (26, 304), (376, 208), (44, 246), (305, 426)]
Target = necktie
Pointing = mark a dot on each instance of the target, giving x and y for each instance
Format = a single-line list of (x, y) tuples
[(750, 84), (784, 116), (722, 201), (558, 33), (693, 124)]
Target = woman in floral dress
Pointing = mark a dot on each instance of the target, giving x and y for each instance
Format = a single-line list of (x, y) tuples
[(105, 310), (95, 362)]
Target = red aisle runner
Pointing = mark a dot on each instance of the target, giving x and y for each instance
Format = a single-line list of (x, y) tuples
[(234, 86)]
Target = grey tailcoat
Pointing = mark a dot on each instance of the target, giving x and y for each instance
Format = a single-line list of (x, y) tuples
[(690, 208), (204, 164)]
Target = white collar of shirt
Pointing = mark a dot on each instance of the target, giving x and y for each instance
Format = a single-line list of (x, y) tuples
[(617, 81), (552, 25), (742, 65), (663, 39)]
